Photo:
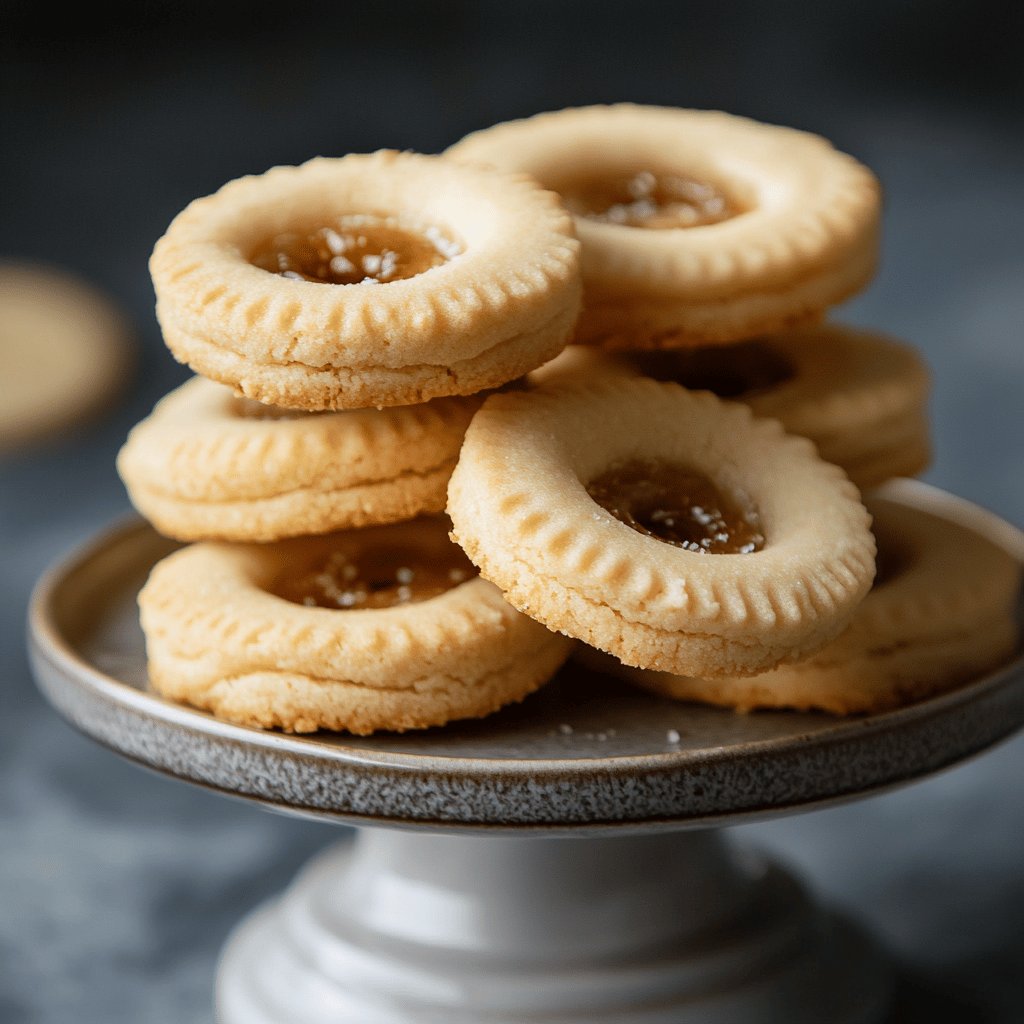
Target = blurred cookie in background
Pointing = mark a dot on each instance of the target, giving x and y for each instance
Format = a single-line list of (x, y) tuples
[(65, 352)]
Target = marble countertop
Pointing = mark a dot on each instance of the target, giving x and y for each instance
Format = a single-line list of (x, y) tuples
[(118, 886)]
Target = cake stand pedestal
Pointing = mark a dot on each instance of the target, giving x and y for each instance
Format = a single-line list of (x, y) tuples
[(560, 861), (670, 928)]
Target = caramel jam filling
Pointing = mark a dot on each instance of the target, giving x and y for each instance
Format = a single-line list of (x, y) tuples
[(649, 200), (377, 577), (355, 250), (730, 371), (679, 506)]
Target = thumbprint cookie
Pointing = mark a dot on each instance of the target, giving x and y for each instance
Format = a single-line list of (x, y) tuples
[(385, 628), (368, 280), (696, 226), (943, 609), (664, 526), (208, 465)]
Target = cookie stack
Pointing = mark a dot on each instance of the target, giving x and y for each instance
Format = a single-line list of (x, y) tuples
[(678, 490), (354, 310)]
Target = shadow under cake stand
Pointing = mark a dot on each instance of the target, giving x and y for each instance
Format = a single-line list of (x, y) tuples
[(559, 861)]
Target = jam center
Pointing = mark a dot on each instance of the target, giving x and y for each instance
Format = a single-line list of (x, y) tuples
[(730, 371), (377, 577), (355, 250), (679, 506), (649, 200)]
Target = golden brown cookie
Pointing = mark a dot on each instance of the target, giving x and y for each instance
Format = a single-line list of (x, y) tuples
[(368, 280), (942, 611), (859, 396), (697, 226), (382, 628), (64, 351), (207, 465), (662, 525)]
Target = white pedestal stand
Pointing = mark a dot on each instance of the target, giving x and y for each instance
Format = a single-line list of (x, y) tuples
[(675, 928)]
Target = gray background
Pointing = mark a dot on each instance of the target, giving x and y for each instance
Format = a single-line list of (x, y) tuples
[(117, 887)]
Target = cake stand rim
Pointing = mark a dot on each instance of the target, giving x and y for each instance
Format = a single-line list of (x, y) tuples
[(48, 644)]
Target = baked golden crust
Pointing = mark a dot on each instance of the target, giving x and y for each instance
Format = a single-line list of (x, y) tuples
[(945, 614), (514, 282), (520, 509), (297, 386), (219, 639), (205, 466), (860, 396), (805, 237)]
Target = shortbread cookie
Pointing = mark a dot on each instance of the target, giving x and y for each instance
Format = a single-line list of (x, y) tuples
[(382, 628), (64, 352), (942, 611), (369, 280), (661, 525), (860, 397), (696, 226), (207, 465)]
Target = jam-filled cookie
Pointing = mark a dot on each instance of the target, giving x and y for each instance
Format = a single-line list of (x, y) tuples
[(64, 351), (384, 628), (368, 280), (696, 226), (661, 525), (943, 609), (208, 465), (860, 397)]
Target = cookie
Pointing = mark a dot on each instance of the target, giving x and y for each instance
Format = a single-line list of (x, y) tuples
[(697, 226), (662, 525), (943, 610), (382, 628), (861, 397), (207, 465), (64, 352), (368, 280)]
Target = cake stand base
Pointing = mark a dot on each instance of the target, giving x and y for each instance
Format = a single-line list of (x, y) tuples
[(674, 928), (559, 860)]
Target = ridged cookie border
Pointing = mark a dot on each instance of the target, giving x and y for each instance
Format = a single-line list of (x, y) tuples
[(809, 206), (209, 623), (198, 470), (518, 266), (520, 509), (861, 396), (298, 386), (949, 614)]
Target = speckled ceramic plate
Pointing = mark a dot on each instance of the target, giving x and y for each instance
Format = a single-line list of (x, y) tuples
[(583, 754)]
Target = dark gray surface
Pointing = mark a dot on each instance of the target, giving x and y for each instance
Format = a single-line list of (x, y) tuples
[(117, 886)]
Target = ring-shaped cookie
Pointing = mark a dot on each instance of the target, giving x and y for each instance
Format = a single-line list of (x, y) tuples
[(943, 610), (219, 637), (520, 508), (502, 300), (803, 234), (861, 397), (207, 465)]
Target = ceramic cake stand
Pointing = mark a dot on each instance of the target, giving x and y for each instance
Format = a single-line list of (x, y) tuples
[(559, 861)]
